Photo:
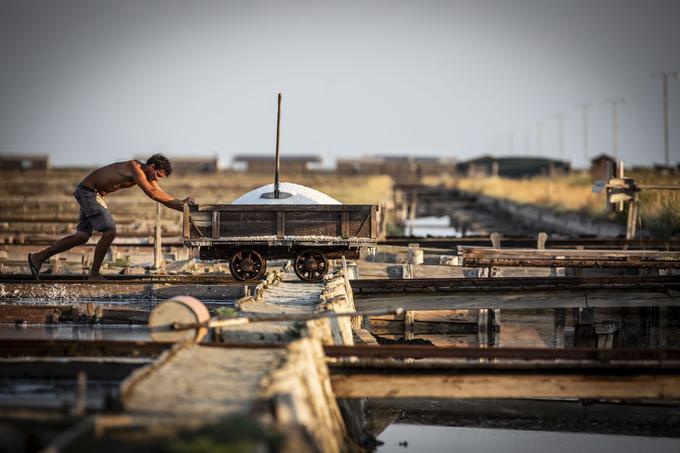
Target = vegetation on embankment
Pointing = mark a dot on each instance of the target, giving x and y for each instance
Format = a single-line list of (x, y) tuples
[(220, 187), (659, 210)]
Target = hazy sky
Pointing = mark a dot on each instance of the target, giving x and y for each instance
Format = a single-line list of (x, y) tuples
[(91, 81)]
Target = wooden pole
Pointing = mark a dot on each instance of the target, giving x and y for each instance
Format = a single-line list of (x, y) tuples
[(157, 245), (276, 171)]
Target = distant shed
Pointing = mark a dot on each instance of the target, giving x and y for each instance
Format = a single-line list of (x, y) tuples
[(514, 167), (602, 167), (253, 163), (399, 167), (18, 162)]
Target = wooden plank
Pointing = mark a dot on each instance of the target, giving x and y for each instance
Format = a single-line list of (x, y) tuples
[(345, 225), (374, 222), (186, 221), (519, 299), (488, 252), (215, 224), (435, 316), (505, 386), (280, 224), (236, 223), (287, 207), (631, 263)]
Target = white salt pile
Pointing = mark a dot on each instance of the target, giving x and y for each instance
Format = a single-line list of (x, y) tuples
[(300, 195)]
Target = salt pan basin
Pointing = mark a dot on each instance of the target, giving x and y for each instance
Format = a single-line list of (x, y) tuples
[(300, 195)]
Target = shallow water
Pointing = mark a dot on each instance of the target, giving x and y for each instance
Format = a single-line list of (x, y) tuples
[(403, 438), (75, 332), (605, 327), (431, 226)]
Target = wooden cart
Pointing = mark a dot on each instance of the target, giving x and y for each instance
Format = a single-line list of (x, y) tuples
[(249, 235)]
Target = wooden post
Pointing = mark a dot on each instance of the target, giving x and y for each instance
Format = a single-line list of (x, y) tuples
[(216, 224), (631, 224), (280, 224), (415, 254), (495, 240), (56, 265), (186, 233), (409, 324), (540, 242), (620, 175), (412, 212), (157, 243)]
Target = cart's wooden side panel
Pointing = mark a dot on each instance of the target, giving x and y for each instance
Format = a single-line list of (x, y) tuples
[(304, 223), (247, 223), (200, 224), (220, 222)]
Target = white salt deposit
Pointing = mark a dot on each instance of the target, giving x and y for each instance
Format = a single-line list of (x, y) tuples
[(300, 195)]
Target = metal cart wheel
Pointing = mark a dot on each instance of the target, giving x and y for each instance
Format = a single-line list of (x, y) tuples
[(247, 265), (311, 266)]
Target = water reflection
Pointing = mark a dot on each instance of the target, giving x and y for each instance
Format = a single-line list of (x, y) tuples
[(602, 327), (431, 226), (75, 332), (423, 438)]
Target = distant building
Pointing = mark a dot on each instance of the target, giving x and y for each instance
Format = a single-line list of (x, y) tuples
[(253, 163), (602, 167), (399, 167), (182, 165), (18, 162), (513, 167)]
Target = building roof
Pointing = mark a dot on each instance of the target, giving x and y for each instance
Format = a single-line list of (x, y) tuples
[(602, 157), (270, 158), (25, 156)]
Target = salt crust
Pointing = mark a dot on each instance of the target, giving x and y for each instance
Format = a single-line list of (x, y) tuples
[(300, 195)]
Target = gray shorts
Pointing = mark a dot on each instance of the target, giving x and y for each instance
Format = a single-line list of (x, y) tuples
[(94, 214)]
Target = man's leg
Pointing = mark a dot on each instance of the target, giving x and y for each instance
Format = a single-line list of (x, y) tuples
[(100, 252), (63, 244)]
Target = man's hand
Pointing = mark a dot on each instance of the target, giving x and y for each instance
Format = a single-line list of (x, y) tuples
[(188, 200)]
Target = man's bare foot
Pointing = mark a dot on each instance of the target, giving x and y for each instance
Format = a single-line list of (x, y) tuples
[(34, 265), (96, 278)]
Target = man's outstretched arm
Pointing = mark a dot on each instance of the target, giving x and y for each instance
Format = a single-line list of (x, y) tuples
[(154, 191)]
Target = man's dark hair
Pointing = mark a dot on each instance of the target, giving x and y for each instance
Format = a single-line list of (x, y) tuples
[(161, 163)]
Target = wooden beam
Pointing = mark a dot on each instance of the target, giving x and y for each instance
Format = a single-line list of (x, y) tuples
[(520, 299), (379, 385)]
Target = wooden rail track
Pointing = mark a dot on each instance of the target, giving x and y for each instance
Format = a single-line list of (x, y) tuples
[(529, 242), (212, 279), (630, 259)]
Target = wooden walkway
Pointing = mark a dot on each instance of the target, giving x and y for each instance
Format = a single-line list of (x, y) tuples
[(283, 366), (197, 383)]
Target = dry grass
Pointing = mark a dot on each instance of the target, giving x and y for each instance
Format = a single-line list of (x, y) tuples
[(659, 210), (223, 187)]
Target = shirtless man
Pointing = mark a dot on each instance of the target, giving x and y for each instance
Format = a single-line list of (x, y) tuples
[(94, 214)]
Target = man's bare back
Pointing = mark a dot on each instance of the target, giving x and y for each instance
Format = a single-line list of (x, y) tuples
[(111, 178)]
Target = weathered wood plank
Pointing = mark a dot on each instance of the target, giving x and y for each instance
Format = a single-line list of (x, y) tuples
[(518, 299), (505, 386)]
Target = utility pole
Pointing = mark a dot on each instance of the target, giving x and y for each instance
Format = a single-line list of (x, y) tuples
[(585, 107), (560, 133), (527, 142), (539, 138), (615, 124), (511, 143), (666, 126)]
